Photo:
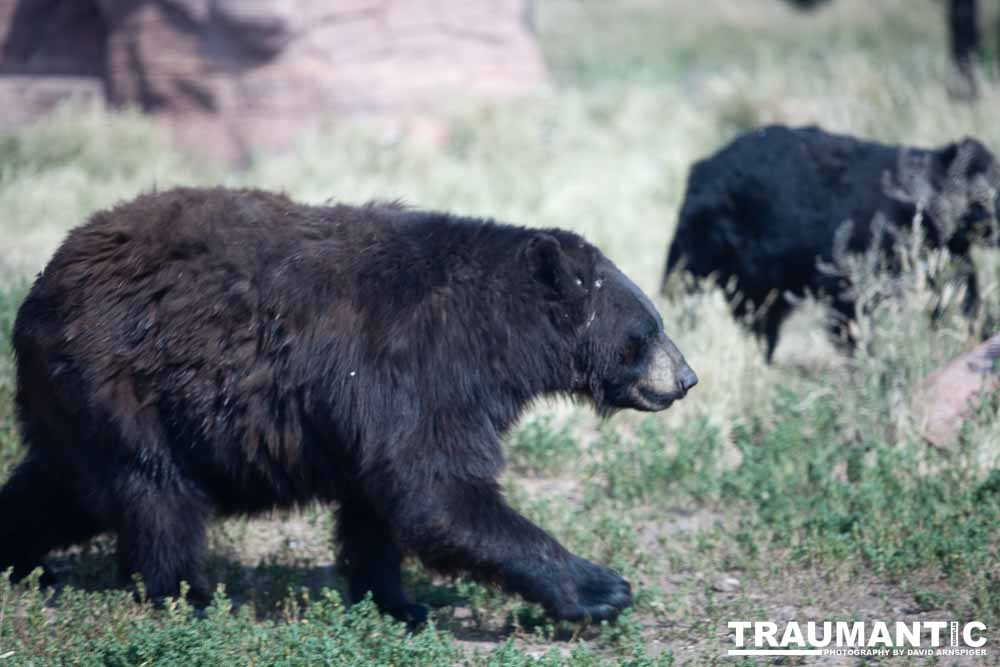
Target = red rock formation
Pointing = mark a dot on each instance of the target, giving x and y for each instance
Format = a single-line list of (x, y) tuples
[(233, 75), (949, 395)]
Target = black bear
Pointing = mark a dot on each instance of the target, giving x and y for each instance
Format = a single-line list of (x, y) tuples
[(761, 213), (199, 353)]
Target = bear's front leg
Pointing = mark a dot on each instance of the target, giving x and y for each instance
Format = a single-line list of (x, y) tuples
[(462, 526), (372, 562)]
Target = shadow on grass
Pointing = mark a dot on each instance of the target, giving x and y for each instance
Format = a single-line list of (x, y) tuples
[(267, 586)]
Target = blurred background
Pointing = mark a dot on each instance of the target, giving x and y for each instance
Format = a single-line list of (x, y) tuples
[(582, 114), (574, 113), (233, 77)]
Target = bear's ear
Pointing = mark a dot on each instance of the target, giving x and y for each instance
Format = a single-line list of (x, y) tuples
[(947, 155), (970, 153), (547, 261)]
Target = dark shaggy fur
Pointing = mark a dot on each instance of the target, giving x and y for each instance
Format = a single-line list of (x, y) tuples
[(763, 210), (202, 353)]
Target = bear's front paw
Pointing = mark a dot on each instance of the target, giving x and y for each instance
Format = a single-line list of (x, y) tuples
[(596, 594), (573, 590)]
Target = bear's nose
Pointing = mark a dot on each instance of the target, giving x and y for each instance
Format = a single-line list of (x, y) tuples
[(687, 379)]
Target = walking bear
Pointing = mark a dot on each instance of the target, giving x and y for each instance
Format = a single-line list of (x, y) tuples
[(200, 353), (760, 213)]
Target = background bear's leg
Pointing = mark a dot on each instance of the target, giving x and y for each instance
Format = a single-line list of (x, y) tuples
[(466, 526), (983, 324), (371, 560), (967, 271), (161, 536), (772, 329), (842, 314), (767, 326), (40, 512)]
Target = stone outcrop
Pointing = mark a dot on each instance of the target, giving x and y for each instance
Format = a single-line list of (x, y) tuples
[(230, 76), (949, 395)]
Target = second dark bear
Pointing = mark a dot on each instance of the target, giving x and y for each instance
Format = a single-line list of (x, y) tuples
[(203, 353), (763, 211)]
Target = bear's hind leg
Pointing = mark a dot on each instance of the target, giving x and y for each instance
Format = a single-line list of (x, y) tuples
[(839, 330), (161, 537), (767, 326), (40, 512), (371, 560)]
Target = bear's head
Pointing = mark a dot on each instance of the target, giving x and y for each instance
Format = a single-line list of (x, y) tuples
[(621, 356), (965, 191)]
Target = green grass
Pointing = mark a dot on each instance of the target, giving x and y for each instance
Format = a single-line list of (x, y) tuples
[(10, 298), (646, 43), (806, 482)]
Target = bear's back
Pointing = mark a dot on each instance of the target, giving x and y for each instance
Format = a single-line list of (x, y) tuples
[(785, 191), (188, 316)]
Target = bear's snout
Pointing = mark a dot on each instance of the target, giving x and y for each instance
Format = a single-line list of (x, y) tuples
[(668, 378)]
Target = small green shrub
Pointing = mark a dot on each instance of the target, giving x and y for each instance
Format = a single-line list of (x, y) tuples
[(657, 464), (540, 447)]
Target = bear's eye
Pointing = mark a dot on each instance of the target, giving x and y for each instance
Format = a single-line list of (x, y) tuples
[(632, 351), (579, 281), (598, 284)]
